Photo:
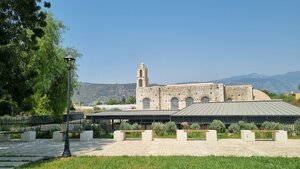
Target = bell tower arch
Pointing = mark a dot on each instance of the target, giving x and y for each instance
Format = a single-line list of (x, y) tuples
[(142, 76)]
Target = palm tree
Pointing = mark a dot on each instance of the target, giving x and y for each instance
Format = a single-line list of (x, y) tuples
[(299, 87)]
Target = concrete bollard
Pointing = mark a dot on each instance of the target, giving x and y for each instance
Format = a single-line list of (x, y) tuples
[(4, 137), (119, 136), (211, 135), (86, 135), (59, 136), (147, 135), (181, 135), (247, 135), (281, 135), (28, 136)]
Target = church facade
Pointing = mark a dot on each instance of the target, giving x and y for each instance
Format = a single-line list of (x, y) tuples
[(179, 96)]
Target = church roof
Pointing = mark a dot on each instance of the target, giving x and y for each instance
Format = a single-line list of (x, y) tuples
[(249, 108)]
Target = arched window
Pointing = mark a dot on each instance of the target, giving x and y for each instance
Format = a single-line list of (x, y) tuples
[(174, 103), (141, 73), (140, 83), (189, 101), (146, 104), (205, 99)]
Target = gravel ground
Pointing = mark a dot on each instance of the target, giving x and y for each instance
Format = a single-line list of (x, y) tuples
[(158, 147)]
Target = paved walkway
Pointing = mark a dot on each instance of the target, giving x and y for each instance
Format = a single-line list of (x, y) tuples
[(162, 147)]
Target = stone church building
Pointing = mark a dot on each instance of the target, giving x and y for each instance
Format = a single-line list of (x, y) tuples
[(179, 96)]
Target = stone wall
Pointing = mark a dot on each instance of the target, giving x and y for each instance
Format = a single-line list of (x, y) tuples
[(160, 96), (239, 93)]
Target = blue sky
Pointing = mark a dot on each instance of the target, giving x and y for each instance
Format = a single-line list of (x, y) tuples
[(179, 41)]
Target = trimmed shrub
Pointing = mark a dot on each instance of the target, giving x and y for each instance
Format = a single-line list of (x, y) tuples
[(217, 125), (297, 126), (159, 128), (247, 126), (135, 126), (171, 128), (195, 126), (125, 126), (87, 126), (105, 126), (270, 125), (77, 127), (4, 128), (101, 130), (46, 134), (234, 128)]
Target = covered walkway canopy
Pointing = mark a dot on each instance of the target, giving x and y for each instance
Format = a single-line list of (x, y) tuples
[(231, 112), (205, 113)]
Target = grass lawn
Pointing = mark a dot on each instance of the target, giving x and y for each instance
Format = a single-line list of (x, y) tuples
[(171, 162)]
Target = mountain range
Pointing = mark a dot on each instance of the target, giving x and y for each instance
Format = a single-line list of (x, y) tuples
[(89, 93)]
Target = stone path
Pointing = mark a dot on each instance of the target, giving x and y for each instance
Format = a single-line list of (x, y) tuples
[(158, 147)]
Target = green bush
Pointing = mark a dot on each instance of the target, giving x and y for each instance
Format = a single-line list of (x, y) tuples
[(270, 125), (297, 126), (195, 126), (159, 128), (136, 126), (77, 127), (217, 125), (171, 128), (125, 126), (247, 126), (87, 126), (234, 128), (105, 126), (46, 134)]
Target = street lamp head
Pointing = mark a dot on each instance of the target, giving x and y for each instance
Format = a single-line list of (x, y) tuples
[(70, 60)]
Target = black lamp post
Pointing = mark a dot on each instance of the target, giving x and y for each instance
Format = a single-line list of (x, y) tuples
[(70, 65)]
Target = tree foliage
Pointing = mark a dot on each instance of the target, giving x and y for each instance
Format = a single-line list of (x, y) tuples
[(32, 66), (129, 100), (21, 23), (50, 67), (17, 17)]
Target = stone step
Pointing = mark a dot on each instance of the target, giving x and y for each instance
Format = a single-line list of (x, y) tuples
[(12, 164), (20, 159)]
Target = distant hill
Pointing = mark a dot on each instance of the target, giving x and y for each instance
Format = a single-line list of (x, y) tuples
[(90, 93), (283, 83)]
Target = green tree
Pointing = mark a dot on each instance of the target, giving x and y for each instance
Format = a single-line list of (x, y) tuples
[(98, 103), (49, 65), (21, 23), (112, 102), (131, 100)]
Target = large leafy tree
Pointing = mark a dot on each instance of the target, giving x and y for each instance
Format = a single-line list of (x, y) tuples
[(32, 69), (50, 84), (21, 23)]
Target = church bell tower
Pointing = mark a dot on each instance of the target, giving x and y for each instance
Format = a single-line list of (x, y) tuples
[(142, 76)]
